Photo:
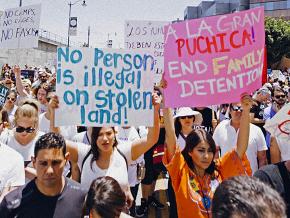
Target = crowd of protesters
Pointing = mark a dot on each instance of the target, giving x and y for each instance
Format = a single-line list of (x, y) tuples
[(209, 155)]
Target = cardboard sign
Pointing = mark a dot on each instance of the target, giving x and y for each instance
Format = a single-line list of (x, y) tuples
[(19, 27), (214, 59), (279, 125), (104, 87), (140, 35), (3, 94), (28, 74)]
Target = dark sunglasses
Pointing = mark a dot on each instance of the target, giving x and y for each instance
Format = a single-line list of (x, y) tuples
[(189, 117), (12, 99), (237, 108), (280, 96), (21, 129)]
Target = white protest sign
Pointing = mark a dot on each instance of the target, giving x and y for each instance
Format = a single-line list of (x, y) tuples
[(275, 74), (20, 27), (279, 125), (147, 35), (104, 87)]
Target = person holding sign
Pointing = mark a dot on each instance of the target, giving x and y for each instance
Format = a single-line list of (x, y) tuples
[(103, 158), (194, 172)]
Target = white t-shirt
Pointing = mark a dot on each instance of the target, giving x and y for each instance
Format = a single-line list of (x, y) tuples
[(11, 115), (68, 132), (225, 136), (42, 108), (116, 170), (130, 135), (284, 147), (27, 151), (12, 168), (82, 137)]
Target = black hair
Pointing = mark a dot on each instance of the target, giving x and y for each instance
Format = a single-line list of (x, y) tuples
[(192, 140), (244, 196), (48, 141), (178, 126), (277, 89), (105, 197), (94, 146)]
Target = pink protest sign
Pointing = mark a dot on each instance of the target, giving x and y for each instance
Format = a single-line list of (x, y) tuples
[(213, 60)]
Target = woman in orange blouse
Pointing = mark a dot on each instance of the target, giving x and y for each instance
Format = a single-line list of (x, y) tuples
[(194, 172)]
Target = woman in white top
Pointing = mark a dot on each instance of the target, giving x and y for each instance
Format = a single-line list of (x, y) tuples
[(102, 158), (25, 133), (185, 119), (10, 105)]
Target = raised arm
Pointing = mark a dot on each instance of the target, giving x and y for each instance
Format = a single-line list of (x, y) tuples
[(19, 87), (170, 137), (243, 136), (140, 146), (52, 105)]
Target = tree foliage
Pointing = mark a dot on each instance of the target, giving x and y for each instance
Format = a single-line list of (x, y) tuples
[(277, 33)]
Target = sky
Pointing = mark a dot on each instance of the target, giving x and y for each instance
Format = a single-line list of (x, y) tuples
[(106, 18)]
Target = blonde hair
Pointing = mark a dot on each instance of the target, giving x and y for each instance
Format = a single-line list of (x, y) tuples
[(28, 108)]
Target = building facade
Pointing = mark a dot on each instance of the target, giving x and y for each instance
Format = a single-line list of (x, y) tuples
[(211, 8), (273, 8)]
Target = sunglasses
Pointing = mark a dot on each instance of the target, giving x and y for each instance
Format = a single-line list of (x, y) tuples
[(21, 129), (280, 96), (12, 99), (188, 117), (237, 108)]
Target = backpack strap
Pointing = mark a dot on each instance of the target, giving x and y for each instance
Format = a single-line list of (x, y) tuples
[(286, 180), (123, 155), (84, 160)]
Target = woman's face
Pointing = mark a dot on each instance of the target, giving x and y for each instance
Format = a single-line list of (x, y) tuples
[(25, 129), (106, 139), (10, 100), (202, 156), (41, 96), (186, 121)]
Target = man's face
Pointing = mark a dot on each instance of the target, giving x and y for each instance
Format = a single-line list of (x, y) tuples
[(279, 97), (236, 111), (49, 165), (43, 77)]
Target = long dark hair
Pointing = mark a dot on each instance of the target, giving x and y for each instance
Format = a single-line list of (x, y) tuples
[(105, 197), (192, 140), (94, 146), (178, 126)]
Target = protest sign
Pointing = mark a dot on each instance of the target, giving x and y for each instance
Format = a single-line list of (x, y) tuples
[(279, 125), (3, 94), (214, 59), (147, 35), (28, 74), (104, 87), (20, 27)]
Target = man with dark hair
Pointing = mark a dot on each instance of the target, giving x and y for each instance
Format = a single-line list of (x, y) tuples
[(244, 196), (226, 136), (278, 177), (278, 101), (50, 194)]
